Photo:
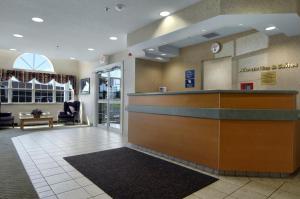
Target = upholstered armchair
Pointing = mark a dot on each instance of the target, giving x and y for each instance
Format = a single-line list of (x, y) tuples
[(6, 119), (70, 113)]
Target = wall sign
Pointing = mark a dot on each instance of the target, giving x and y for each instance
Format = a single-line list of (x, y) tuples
[(269, 68), (190, 79)]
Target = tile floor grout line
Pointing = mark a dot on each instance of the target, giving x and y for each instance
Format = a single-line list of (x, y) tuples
[(240, 188), (276, 190)]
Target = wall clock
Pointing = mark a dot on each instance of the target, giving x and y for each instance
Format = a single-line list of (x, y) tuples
[(216, 47)]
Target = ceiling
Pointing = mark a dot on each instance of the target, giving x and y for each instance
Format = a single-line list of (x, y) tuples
[(224, 25), (73, 26)]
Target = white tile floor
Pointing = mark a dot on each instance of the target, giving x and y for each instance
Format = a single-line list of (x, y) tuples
[(42, 155)]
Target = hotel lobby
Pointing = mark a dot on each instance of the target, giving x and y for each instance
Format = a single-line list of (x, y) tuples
[(160, 99)]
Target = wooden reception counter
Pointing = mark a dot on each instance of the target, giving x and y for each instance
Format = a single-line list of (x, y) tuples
[(253, 132)]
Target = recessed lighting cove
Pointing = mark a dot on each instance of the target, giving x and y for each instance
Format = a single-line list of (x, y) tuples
[(18, 35), (164, 13), (37, 19), (271, 28)]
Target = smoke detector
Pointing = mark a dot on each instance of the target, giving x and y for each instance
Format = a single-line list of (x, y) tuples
[(120, 7)]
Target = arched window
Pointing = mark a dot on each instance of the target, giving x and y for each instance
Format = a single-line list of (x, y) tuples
[(33, 62)]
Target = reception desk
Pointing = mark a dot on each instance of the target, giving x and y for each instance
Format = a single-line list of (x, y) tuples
[(229, 132)]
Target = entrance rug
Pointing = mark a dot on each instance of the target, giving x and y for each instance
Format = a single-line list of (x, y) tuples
[(128, 174)]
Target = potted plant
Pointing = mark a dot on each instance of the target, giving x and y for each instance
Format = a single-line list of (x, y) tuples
[(36, 113)]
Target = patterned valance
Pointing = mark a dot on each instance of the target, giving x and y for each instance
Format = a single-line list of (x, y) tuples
[(25, 76)]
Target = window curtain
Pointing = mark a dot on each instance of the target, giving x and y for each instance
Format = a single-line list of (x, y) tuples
[(25, 76)]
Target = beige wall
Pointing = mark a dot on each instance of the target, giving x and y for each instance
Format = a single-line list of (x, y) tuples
[(88, 101), (191, 57), (148, 76), (279, 49)]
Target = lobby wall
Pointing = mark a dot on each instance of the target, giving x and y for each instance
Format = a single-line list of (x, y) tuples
[(248, 50), (192, 58), (148, 75), (71, 67), (88, 101)]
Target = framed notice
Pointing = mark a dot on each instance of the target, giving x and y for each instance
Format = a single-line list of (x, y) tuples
[(269, 78), (190, 79), (85, 86)]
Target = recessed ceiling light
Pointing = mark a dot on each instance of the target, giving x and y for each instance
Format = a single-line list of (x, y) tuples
[(159, 58), (72, 58), (18, 35), (203, 30), (37, 19), (163, 54), (165, 13), (271, 28), (151, 49), (120, 7), (12, 49), (91, 49), (113, 38), (241, 24)]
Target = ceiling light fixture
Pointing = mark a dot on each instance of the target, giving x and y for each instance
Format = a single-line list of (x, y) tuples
[(91, 49), (163, 54), (203, 30), (271, 28), (159, 58), (241, 24), (120, 7), (151, 49), (12, 49), (37, 19), (165, 13), (18, 35), (113, 38), (72, 58)]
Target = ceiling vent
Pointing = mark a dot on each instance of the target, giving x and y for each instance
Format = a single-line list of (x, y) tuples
[(211, 35)]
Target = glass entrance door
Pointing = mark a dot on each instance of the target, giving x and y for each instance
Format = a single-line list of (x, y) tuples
[(109, 102)]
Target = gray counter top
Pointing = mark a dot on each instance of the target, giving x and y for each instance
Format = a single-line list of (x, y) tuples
[(288, 92)]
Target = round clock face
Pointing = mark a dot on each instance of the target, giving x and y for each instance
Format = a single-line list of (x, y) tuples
[(216, 47)]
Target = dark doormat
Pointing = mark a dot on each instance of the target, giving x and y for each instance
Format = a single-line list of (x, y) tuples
[(128, 174)]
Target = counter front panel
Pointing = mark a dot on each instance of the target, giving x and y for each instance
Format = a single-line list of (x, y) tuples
[(228, 131)]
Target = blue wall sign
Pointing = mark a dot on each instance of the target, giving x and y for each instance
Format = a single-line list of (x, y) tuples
[(190, 79)]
